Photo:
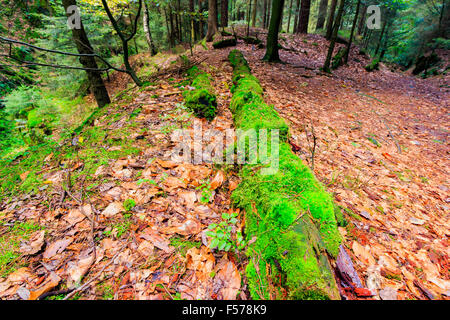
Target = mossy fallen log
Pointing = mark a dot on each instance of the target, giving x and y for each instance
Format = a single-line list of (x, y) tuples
[(338, 59), (200, 98), (289, 217), (247, 105), (229, 42), (373, 65)]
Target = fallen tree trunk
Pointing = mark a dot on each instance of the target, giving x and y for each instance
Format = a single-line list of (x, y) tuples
[(289, 217), (230, 42)]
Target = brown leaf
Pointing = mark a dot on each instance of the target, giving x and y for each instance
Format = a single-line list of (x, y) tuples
[(51, 282), (228, 279), (218, 180), (35, 244), (56, 247)]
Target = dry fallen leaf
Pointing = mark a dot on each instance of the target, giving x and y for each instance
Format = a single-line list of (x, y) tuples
[(35, 243), (218, 180), (56, 247), (51, 282)]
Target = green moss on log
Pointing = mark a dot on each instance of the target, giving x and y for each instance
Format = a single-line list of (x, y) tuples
[(290, 218), (230, 42), (247, 105), (373, 65), (201, 98), (338, 59)]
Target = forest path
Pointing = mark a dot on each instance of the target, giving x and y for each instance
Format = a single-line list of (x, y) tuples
[(382, 151)]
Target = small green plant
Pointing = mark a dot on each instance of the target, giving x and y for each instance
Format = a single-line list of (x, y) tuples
[(223, 236), (206, 192), (129, 204)]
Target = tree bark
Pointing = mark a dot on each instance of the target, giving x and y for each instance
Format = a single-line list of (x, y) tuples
[(289, 17), (212, 20), (330, 19), (272, 36), (305, 8), (147, 31), (83, 45), (255, 6), (383, 28), (297, 9), (355, 20), (323, 6), (337, 23), (362, 19), (264, 14), (224, 13)]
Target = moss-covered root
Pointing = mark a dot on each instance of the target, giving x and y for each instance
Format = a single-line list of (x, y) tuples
[(373, 65), (200, 98), (290, 219)]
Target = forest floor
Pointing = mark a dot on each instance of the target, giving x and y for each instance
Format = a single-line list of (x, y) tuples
[(381, 150)]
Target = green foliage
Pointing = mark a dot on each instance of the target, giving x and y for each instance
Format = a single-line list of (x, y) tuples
[(224, 235), (129, 204)]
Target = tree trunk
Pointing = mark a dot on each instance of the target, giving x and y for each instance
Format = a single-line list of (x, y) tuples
[(148, 34), (272, 36), (326, 66), (83, 45), (212, 20), (304, 16), (224, 13), (362, 19), (269, 8), (249, 11), (255, 6), (297, 8), (381, 35), (330, 19), (323, 6), (264, 15), (355, 20), (289, 17)]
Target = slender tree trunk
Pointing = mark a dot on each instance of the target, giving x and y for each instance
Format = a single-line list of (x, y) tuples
[(83, 45), (272, 36), (355, 20), (296, 14), (224, 13), (323, 6), (383, 28), (289, 17), (362, 19), (264, 15), (212, 20), (255, 6), (269, 9), (330, 19), (305, 8), (249, 11), (326, 66), (147, 31)]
